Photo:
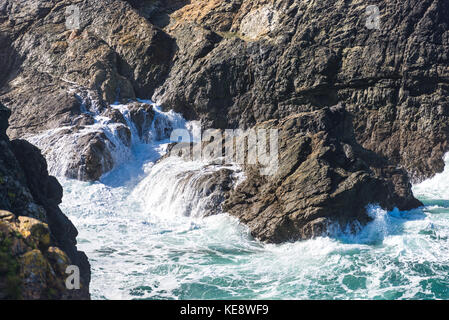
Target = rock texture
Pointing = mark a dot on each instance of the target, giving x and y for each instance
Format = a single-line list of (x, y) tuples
[(57, 72), (235, 63), (238, 63), (243, 62), (37, 240), (325, 178)]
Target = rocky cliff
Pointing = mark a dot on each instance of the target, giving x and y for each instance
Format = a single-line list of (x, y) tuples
[(37, 241), (240, 64)]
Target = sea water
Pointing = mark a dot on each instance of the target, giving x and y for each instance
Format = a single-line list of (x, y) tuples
[(146, 239)]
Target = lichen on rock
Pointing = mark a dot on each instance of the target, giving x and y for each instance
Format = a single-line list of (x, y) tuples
[(37, 241)]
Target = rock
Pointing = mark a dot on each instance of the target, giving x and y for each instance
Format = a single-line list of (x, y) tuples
[(142, 115), (113, 56), (95, 160), (325, 179), (115, 115), (6, 215), (211, 188), (259, 22), (322, 179), (393, 81), (30, 224), (238, 64), (4, 116), (124, 134), (34, 231), (32, 270)]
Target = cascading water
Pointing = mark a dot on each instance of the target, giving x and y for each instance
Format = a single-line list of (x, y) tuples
[(143, 231)]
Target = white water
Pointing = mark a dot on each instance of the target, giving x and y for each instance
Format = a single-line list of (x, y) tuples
[(145, 238), (437, 187)]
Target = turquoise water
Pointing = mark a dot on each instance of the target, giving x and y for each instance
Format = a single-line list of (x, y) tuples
[(141, 246), (142, 228)]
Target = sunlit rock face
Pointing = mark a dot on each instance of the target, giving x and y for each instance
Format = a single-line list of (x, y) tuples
[(236, 63), (259, 22), (231, 64)]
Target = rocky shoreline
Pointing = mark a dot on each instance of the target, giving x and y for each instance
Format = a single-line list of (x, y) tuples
[(362, 112), (37, 241)]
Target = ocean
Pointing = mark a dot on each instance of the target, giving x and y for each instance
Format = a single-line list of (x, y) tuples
[(146, 239)]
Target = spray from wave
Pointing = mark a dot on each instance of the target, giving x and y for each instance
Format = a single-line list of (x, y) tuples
[(146, 230)]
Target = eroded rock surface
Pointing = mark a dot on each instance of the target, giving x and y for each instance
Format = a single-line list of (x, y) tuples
[(37, 240), (237, 64), (315, 54), (325, 179)]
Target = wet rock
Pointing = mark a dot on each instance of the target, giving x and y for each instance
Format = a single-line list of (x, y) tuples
[(95, 159), (115, 115), (4, 116), (30, 224), (142, 116), (324, 178), (211, 187), (124, 134)]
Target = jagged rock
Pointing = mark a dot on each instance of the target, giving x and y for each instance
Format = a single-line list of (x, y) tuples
[(30, 269), (95, 160), (31, 224), (213, 61), (115, 116), (142, 115), (5, 113), (211, 187), (238, 64), (393, 81), (324, 178), (116, 54)]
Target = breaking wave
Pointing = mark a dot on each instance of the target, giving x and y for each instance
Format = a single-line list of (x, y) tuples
[(145, 231)]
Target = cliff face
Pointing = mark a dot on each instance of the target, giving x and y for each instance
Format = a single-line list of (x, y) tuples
[(37, 241), (237, 64), (325, 178), (272, 59)]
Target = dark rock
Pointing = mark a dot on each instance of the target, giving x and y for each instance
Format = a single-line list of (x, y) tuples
[(237, 64), (32, 196), (274, 60), (325, 177), (115, 115), (116, 55), (142, 115), (96, 158), (5, 113)]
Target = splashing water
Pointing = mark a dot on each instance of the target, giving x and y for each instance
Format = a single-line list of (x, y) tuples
[(143, 243)]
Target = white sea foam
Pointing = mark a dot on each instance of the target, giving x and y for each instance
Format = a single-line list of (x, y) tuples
[(59, 146), (436, 187), (142, 229)]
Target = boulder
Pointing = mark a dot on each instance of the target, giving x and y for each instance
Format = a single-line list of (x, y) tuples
[(325, 179), (142, 116)]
